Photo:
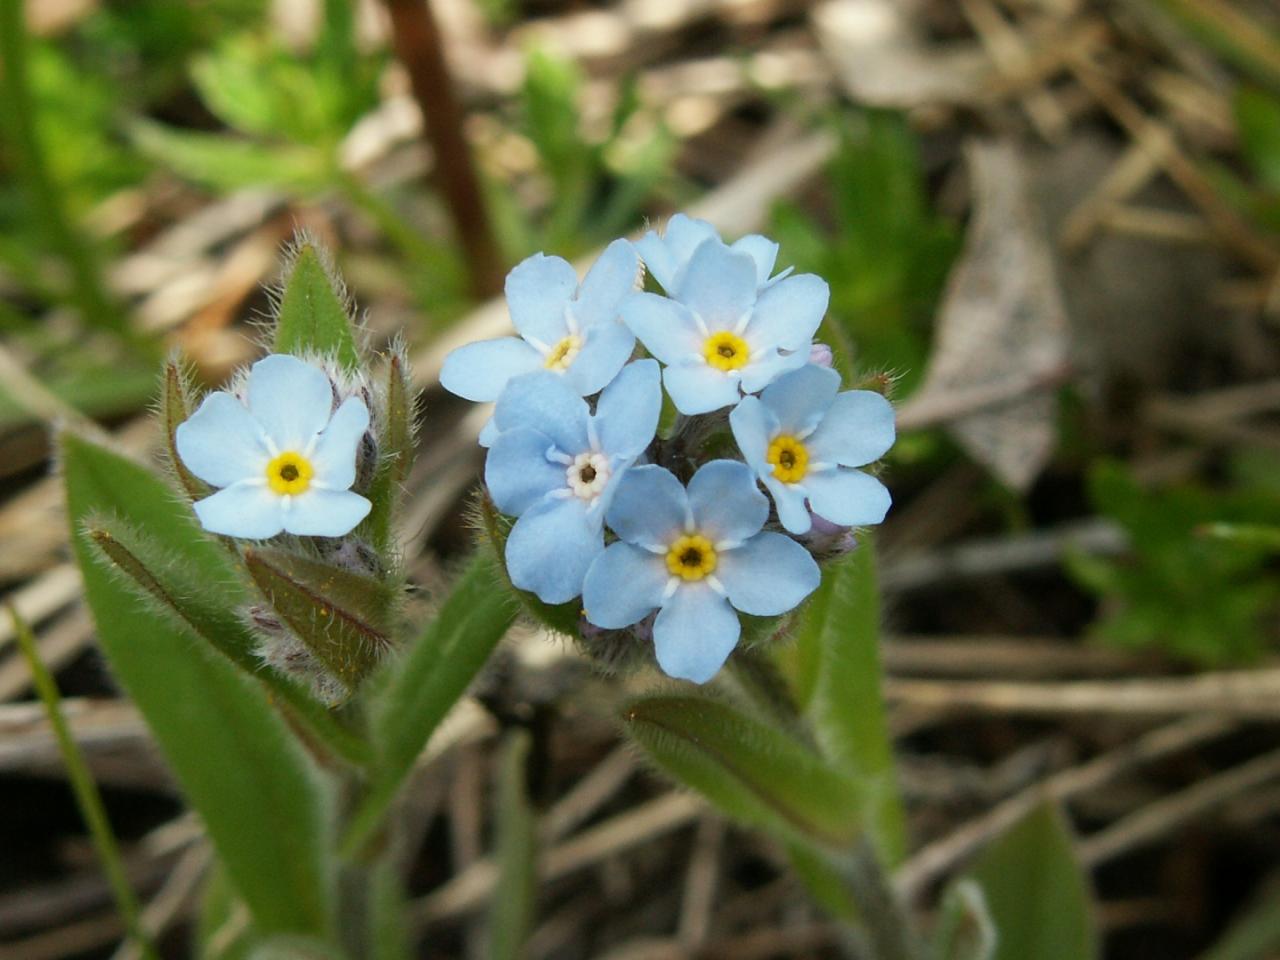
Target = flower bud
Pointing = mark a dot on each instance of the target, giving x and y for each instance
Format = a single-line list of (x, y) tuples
[(820, 355)]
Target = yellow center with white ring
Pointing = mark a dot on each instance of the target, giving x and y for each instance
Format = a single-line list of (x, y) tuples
[(563, 353), (691, 557), (289, 473), (726, 351), (790, 458)]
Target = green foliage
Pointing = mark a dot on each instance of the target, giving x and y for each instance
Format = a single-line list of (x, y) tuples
[(1255, 933), (750, 769), (314, 316), (965, 930), (836, 663), (412, 692), (885, 253), (1037, 894), (1199, 597), (231, 163), (261, 801), (511, 909)]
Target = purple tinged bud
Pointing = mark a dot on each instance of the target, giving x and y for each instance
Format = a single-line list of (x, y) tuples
[(820, 355), (826, 539)]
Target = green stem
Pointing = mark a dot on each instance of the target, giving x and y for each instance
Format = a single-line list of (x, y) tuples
[(886, 924), (88, 289), (86, 791)]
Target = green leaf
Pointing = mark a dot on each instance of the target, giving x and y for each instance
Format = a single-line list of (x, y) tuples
[(260, 799), (342, 617), (511, 908), (396, 448), (223, 931), (965, 929), (314, 315), (175, 407), (295, 948), (752, 771), (837, 662), (228, 163), (1258, 120), (1255, 934), (412, 692), (1037, 892)]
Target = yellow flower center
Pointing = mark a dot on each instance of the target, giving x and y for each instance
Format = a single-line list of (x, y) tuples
[(726, 351), (789, 457), (691, 557), (564, 353), (289, 472)]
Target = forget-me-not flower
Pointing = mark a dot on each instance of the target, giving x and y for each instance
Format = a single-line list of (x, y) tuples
[(555, 466), (285, 461), (697, 556), (666, 255), (724, 335), (802, 439), (568, 328)]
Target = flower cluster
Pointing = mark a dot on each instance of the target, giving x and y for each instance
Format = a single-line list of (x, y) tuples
[(666, 530)]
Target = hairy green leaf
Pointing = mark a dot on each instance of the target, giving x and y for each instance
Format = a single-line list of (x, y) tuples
[(752, 771), (1037, 893), (260, 799), (314, 315)]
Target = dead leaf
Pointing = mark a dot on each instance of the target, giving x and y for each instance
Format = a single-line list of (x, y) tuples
[(1002, 327)]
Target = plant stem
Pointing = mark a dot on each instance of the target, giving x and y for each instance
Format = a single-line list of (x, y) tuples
[(419, 47), (886, 924), (86, 791), (17, 107)]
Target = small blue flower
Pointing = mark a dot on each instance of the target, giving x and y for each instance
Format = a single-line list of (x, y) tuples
[(802, 438), (556, 467), (667, 255), (724, 335), (567, 328), (696, 556), (285, 462)]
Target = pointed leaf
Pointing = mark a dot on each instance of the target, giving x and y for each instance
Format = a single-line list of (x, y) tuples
[(314, 315), (396, 445), (175, 407), (752, 771), (1037, 892), (965, 929), (342, 617), (260, 799), (837, 661)]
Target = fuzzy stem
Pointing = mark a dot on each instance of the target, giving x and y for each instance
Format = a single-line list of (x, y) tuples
[(419, 47), (887, 927), (18, 108), (86, 791)]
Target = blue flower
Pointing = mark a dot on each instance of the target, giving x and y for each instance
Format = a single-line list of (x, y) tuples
[(556, 467), (696, 556), (802, 438), (667, 255), (724, 335), (285, 462), (564, 327)]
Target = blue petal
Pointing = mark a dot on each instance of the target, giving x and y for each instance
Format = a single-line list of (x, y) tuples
[(543, 401), (788, 312), (222, 442), (611, 279), (858, 429), (551, 547), (325, 513), (479, 371), (649, 507), (790, 500), (666, 256), (758, 374), (291, 399), (694, 634), (753, 425), (768, 575), (667, 329), (606, 347), (847, 497), (538, 291), (517, 471), (696, 387), (800, 398), (335, 454), (623, 585), (762, 250), (489, 433), (727, 505), (719, 286), (248, 510), (627, 414)]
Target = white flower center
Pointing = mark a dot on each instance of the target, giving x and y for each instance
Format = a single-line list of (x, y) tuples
[(588, 474)]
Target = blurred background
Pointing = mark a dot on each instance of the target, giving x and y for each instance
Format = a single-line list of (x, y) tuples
[(1050, 227)]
